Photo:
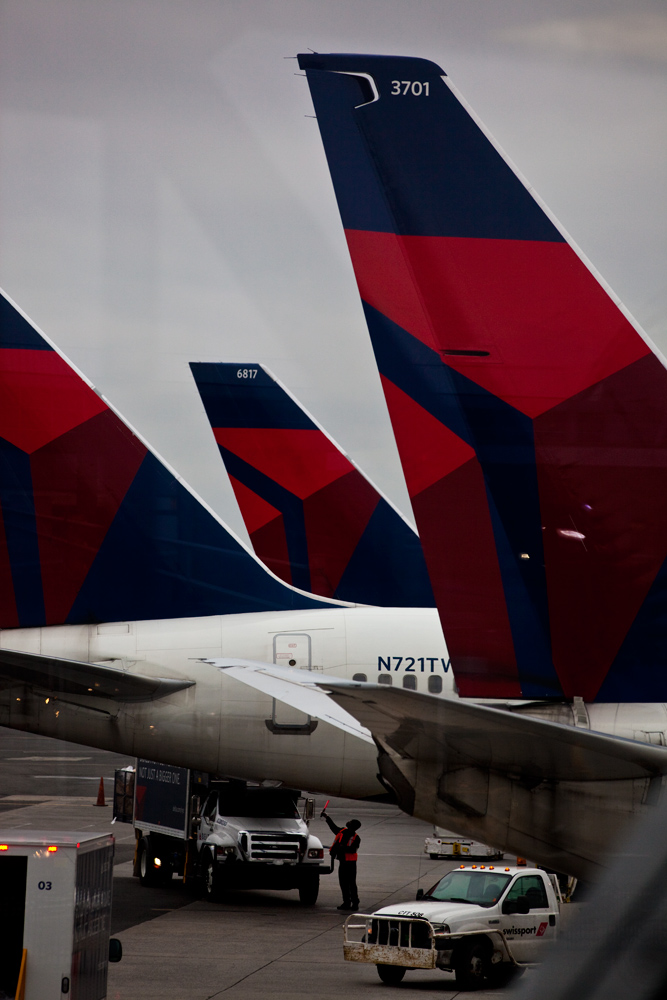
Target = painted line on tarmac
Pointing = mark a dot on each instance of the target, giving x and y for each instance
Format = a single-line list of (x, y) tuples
[(71, 759)]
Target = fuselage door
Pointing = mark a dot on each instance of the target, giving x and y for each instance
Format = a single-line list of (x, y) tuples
[(291, 649)]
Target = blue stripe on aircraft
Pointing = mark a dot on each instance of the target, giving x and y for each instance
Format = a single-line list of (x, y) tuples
[(503, 441), (289, 505), (453, 182), (259, 401), (388, 565), (18, 514), (165, 557), (639, 670), (16, 332)]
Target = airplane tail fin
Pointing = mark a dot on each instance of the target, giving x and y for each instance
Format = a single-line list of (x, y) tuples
[(312, 516), (93, 525), (528, 410)]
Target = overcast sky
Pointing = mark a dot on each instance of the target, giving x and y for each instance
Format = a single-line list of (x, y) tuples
[(164, 197)]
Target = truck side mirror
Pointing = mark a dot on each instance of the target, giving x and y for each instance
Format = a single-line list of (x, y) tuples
[(308, 810), (420, 894), (115, 950), (520, 905)]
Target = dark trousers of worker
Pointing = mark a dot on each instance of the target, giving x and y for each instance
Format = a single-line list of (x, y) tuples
[(347, 876)]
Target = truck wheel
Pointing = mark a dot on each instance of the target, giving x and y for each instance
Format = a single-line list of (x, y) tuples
[(148, 876), (212, 880), (471, 964), (434, 857), (309, 890), (391, 975)]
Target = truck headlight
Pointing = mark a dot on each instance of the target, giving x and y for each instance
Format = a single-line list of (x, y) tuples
[(441, 929), (316, 852), (222, 852)]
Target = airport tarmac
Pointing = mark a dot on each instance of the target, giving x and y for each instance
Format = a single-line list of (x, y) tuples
[(177, 946)]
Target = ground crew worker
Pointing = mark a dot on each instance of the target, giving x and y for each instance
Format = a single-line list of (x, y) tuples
[(344, 848)]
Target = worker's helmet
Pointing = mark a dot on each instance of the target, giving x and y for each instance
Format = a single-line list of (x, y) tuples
[(353, 824)]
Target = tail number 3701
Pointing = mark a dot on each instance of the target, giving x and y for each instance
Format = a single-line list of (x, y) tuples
[(414, 87)]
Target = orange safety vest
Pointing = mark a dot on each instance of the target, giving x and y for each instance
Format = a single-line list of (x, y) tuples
[(338, 843)]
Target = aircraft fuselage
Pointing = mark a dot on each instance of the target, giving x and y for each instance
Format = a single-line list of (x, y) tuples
[(218, 724), (221, 725)]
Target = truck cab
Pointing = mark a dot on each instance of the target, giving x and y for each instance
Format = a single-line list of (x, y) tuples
[(483, 922), (256, 837)]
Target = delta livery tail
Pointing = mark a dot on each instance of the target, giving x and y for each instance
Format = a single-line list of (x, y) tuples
[(93, 526), (313, 518), (530, 414)]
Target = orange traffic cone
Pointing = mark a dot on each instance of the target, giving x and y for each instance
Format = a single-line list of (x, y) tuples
[(100, 794)]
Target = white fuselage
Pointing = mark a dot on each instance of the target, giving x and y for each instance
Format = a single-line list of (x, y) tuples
[(222, 726), (218, 724)]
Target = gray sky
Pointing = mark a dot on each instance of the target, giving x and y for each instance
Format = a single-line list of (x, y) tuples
[(164, 198)]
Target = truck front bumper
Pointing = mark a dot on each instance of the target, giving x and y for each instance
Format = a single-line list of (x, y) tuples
[(404, 941), (410, 942)]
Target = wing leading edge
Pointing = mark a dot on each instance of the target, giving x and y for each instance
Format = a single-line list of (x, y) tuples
[(59, 675)]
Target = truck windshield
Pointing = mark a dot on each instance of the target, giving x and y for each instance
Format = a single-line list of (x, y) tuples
[(258, 804), (480, 888)]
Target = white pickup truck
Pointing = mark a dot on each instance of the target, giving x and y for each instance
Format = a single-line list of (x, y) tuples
[(483, 922)]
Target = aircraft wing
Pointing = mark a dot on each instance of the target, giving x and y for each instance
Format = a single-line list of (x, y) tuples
[(554, 793), (298, 688), (75, 677), (425, 728)]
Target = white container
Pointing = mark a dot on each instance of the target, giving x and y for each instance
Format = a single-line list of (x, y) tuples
[(55, 901)]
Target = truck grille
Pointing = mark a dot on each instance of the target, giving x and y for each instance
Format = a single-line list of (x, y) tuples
[(275, 847), (401, 933)]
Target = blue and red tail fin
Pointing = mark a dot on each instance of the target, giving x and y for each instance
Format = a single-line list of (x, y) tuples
[(529, 412), (93, 526), (311, 514)]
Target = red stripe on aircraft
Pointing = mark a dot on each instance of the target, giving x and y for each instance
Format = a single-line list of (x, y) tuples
[(549, 328), (429, 450), (387, 282), (270, 545), (256, 510), (301, 461), (603, 481), (41, 398), (457, 538), (79, 483), (9, 614), (335, 519)]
